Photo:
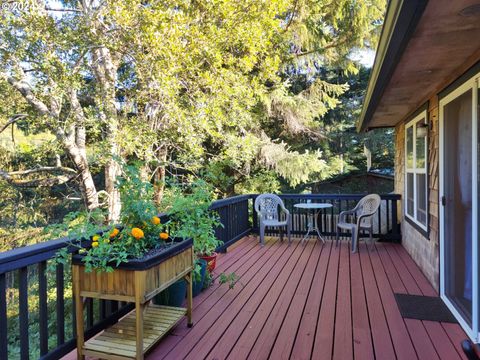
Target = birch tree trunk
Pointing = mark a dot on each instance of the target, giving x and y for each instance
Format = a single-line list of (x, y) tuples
[(72, 141)]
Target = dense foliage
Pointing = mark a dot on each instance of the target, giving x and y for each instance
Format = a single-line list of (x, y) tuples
[(190, 217), (234, 91), (250, 96)]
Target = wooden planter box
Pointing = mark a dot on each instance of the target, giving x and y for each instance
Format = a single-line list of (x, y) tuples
[(136, 282)]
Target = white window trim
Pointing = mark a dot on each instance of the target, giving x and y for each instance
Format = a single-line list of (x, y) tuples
[(412, 124)]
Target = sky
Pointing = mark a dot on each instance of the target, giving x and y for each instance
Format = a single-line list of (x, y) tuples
[(365, 56)]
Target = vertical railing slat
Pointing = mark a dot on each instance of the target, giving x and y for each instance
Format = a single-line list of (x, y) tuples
[(60, 305), (43, 307), (23, 312), (388, 215), (395, 229)]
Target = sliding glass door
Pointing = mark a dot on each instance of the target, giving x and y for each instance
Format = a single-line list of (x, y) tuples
[(459, 204)]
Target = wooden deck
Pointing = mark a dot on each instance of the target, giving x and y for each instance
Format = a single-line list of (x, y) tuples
[(311, 302)]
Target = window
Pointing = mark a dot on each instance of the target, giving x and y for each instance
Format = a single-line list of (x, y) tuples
[(416, 170)]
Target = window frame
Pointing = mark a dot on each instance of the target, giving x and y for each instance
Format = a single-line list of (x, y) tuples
[(422, 116)]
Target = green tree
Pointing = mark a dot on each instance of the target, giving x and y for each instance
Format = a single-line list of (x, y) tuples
[(186, 84)]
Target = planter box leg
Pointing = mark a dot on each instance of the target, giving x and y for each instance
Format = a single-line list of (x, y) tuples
[(139, 307), (189, 279)]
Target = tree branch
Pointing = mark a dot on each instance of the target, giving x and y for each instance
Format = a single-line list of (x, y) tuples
[(290, 21), (43, 169), (24, 88), (42, 182), (12, 120)]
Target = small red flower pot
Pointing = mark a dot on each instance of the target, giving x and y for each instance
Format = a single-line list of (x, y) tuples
[(211, 261)]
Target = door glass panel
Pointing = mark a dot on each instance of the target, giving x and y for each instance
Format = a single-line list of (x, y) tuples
[(458, 209)]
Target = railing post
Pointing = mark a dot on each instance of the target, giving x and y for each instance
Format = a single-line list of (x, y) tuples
[(254, 215), (395, 224)]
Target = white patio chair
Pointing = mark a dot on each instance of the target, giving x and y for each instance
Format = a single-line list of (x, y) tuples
[(365, 209), (267, 207)]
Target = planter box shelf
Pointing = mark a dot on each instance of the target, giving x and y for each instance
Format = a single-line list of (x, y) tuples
[(137, 282), (119, 341)]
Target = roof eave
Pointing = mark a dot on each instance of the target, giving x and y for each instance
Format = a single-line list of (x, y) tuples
[(401, 20)]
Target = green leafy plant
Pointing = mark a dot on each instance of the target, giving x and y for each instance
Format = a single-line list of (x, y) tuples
[(231, 279), (141, 229), (190, 216)]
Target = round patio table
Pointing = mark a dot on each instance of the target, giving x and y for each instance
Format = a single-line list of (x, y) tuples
[(312, 213)]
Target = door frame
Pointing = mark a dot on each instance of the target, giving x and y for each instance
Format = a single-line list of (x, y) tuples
[(473, 84)]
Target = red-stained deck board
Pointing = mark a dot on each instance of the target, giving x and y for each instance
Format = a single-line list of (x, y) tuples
[(263, 345), (343, 346), (418, 334), (324, 336), (303, 346), (456, 336), (440, 340), (362, 337), (380, 331), (422, 282), (239, 337), (439, 337), (207, 299), (216, 308), (286, 336), (242, 307), (398, 331), (311, 302), (411, 286)]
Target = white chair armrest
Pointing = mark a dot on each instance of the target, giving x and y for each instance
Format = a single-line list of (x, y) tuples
[(344, 214)]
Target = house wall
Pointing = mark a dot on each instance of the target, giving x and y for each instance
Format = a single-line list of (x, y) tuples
[(423, 249)]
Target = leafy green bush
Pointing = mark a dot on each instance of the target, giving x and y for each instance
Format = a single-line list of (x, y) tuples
[(141, 229), (190, 216)]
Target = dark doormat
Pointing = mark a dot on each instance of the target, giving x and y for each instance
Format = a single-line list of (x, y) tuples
[(424, 308)]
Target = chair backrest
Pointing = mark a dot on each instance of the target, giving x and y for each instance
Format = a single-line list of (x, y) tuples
[(368, 205), (267, 206)]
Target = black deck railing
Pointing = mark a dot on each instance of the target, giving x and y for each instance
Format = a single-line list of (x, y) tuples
[(385, 221), (37, 317)]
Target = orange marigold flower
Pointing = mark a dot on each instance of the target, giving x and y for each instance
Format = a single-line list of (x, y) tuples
[(137, 233), (114, 233), (95, 237), (155, 220), (163, 236), (95, 244)]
